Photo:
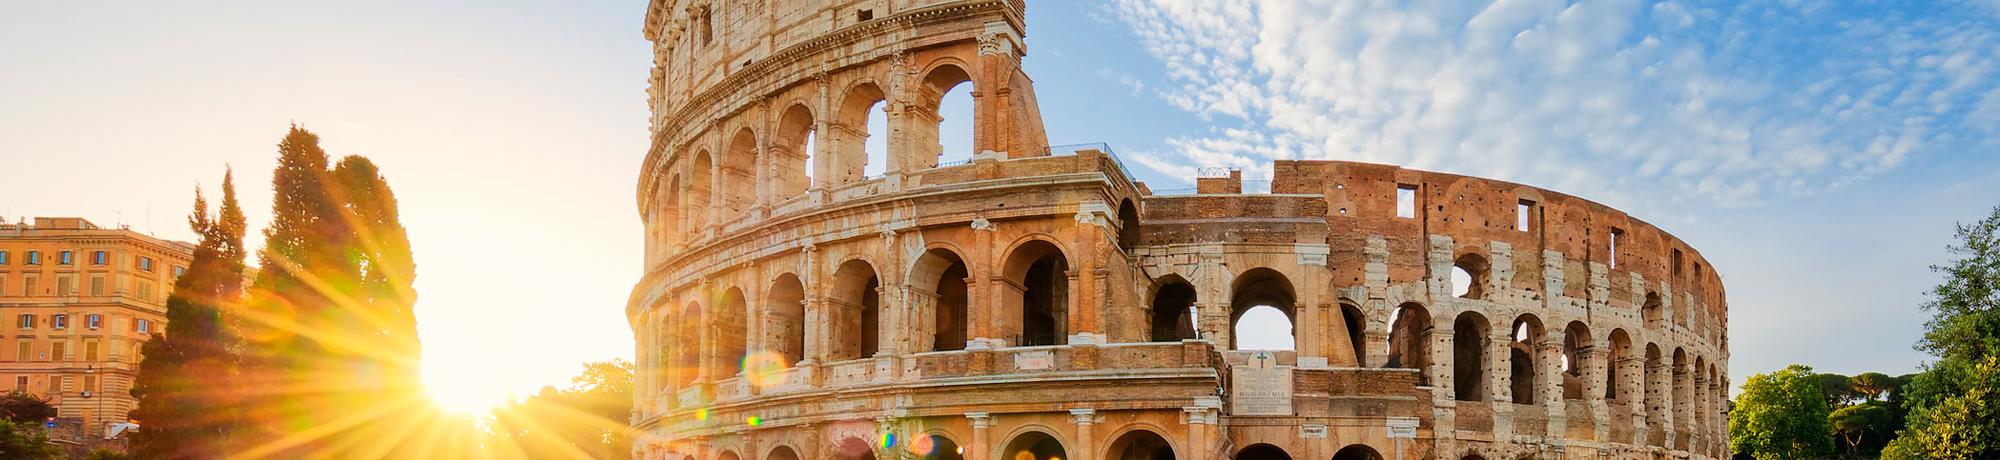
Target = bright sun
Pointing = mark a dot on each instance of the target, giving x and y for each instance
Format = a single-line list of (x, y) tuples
[(464, 392)]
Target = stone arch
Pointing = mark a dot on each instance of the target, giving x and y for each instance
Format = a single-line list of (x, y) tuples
[(728, 455), (1140, 444), (1356, 323), (1468, 358), (1622, 382), (1682, 386), (936, 445), (1037, 271), (923, 117), (700, 179), (1578, 348), (671, 220), (851, 130), (687, 359), (854, 449), (1035, 443), (1472, 270), (1657, 399), (1357, 452), (1129, 236), (731, 333), (1651, 311), (1409, 340), (782, 453), (1172, 314), (939, 294), (785, 305), (791, 152), (739, 174), (661, 225), (854, 308), (1262, 451), (1261, 287), (1525, 364)]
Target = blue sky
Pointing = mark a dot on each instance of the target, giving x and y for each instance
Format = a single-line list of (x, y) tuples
[(1817, 153)]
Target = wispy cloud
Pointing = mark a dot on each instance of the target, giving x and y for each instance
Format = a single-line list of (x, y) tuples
[(1667, 102)]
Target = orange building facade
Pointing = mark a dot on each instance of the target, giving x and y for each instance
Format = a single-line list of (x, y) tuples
[(78, 301)]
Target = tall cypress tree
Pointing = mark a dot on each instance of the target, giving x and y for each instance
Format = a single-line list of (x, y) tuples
[(184, 403)]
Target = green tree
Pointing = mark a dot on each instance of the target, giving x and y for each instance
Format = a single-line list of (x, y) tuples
[(1872, 385), (587, 419), (24, 441), (1837, 389), (184, 400), (25, 408), (1781, 415), (1854, 423), (1950, 403)]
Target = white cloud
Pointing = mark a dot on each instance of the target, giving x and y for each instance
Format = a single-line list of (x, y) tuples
[(1752, 103)]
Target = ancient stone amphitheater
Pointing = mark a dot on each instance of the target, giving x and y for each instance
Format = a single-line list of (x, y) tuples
[(1025, 301)]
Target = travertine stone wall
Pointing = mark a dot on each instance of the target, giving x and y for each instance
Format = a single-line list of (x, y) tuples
[(1037, 299)]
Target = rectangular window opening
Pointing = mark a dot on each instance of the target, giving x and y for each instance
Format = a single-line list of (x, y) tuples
[(1677, 262), (1406, 201), (864, 15), (1616, 234), (1522, 211)]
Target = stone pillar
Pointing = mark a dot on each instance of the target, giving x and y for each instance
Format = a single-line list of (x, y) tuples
[(1087, 283), (1659, 401), (1086, 427), (1201, 425), (983, 292), (982, 436), (1596, 380), (704, 370), (1500, 377), (1548, 382)]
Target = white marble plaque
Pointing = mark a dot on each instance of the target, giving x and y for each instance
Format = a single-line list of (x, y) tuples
[(1035, 360), (1312, 431), (1255, 391)]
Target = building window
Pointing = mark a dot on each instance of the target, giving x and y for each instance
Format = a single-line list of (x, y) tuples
[(90, 351), (145, 264), (58, 351), (65, 286), (143, 325), (59, 322), (34, 257), (93, 321), (24, 350), (59, 383), (145, 291), (1406, 201), (27, 321), (1616, 234), (1522, 211), (21, 384), (28, 286), (179, 270), (96, 286), (66, 258), (99, 257), (89, 384), (3, 257)]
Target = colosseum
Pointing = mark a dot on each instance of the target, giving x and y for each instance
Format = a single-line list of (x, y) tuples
[(1028, 301)]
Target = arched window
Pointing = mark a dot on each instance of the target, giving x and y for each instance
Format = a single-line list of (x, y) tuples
[(1576, 359), (1041, 272), (1173, 311), (699, 181), (1141, 445), (1621, 382), (1468, 357), (1683, 381), (1357, 452), (1262, 306), (791, 153), (854, 449), (1409, 340), (859, 140), (854, 306), (782, 453), (1262, 452), (786, 304), (1034, 444), (1657, 397), (1357, 325), (739, 175), (1128, 227), (943, 127), (1468, 277), (938, 290), (1524, 372), (728, 455), (935, 447), (687, 358), (730, 333), (1651, 311)]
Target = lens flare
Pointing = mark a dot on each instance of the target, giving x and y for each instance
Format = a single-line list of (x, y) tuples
[(753, 421), (765, 369), (887, 441), (701, 414), (923, 445)]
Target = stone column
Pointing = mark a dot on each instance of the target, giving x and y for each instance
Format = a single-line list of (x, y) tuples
[(1201, 421), (1086, 427), (1086, 286), (706, 361), (983, 293), (982, 434), (1596, 380), (1548, 382)]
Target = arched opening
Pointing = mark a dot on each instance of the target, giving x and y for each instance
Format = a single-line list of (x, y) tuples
[(1357, 326), (1619, 367), (1468, 357), (1524, 375), (1141, 445), (699, 181), (661, 224), (1357, 452), (728, 455), (1683, 386), (670, 220), (739, 175), (854, 307), (1409, 342), (1128, 227), (859, 138), (1651, 311), (1657, 398), (939, 291), (1173, 311), (786, 304), (943, 130), (937, 447), (782, 453), (1040, 272), (854, 449), (1034, 445), (1468, 277), (687, 358), (1698, 393), (1262, 452), (791, 153), (1261, 306), (731, 330), (1576, 359)]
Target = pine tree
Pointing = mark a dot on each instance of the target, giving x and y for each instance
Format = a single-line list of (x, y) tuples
[(183, 398)]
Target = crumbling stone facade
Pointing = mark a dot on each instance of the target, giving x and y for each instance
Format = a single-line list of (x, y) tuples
[(1038, 301)]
